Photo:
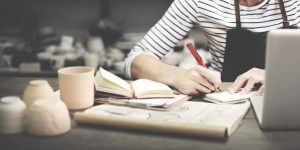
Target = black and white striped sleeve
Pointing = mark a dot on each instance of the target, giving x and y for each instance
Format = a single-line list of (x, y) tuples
[(166, 33)]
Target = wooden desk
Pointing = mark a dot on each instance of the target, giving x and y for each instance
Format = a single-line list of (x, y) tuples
[(247, 137)]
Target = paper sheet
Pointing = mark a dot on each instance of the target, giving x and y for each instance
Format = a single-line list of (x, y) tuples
[(149, 102), (156, 102)]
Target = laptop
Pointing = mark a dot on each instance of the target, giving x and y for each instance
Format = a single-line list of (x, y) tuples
[(279, 107)]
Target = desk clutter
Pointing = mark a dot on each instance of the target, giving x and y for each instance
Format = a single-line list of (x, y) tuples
[(141, 104)]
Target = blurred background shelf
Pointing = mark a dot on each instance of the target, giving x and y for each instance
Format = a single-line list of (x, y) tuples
[(49, 74), (39, 31)]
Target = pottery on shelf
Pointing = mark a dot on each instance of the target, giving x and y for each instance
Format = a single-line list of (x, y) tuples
[(76, 86), (66, 43), (116, 54), (96, 45), (48, 117), (91, 60), (37, 89), (12, 115)]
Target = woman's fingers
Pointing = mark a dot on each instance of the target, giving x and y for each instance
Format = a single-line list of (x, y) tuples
[(202, 81), (214, 78), (247, 81), (196, 89), (237, 84), (261, 90), (202, 89), (197, 80), (249, 85)]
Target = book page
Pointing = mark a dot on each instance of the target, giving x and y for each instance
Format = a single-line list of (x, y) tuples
[(201, 113), (110, 83), (114, 79), (144, 88)]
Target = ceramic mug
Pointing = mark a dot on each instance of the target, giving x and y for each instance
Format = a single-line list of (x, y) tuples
[(76, 86)]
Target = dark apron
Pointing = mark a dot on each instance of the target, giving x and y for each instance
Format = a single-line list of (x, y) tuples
[(245, 49)]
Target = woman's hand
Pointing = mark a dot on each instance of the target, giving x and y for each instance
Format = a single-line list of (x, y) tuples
[(197, 80), (191, 82), (247, 81)]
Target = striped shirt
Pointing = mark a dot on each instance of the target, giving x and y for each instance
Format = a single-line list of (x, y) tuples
[(215, 17)]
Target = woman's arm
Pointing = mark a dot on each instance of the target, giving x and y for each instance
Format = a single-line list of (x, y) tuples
[(144, 59), (166, 33)]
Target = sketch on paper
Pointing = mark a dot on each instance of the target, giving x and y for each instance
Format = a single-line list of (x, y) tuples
[(189, 112)]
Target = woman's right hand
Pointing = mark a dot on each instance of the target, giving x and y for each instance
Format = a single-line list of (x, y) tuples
[(191, 82), (197, 80)]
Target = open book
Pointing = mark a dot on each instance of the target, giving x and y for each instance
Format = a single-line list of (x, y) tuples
[(191, 118), (142, 88)]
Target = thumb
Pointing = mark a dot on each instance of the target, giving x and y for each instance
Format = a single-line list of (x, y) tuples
[(215, 78)]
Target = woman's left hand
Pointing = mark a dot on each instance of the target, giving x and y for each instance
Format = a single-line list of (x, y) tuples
[(247, 81)]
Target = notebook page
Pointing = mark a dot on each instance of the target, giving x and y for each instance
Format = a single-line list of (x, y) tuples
[(105, 75), (144, 86), (226, 97)]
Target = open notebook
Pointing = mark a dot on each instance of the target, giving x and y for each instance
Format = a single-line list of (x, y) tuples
[(226, 97), (107, 82), (193, 118)]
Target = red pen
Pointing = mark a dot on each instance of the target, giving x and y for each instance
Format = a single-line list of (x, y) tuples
[(195, 54), (197, 57)]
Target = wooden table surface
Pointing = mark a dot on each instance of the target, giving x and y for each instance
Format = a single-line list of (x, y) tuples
[(247, 137)]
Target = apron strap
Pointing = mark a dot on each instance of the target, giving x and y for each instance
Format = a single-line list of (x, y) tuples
[(284, 16), (238, 16)]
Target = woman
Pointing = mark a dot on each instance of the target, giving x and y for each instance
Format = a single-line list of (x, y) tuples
[(236, 32)]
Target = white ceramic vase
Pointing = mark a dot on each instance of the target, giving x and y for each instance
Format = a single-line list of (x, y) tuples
[(12, 115), (37, 89), (48, 117)]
